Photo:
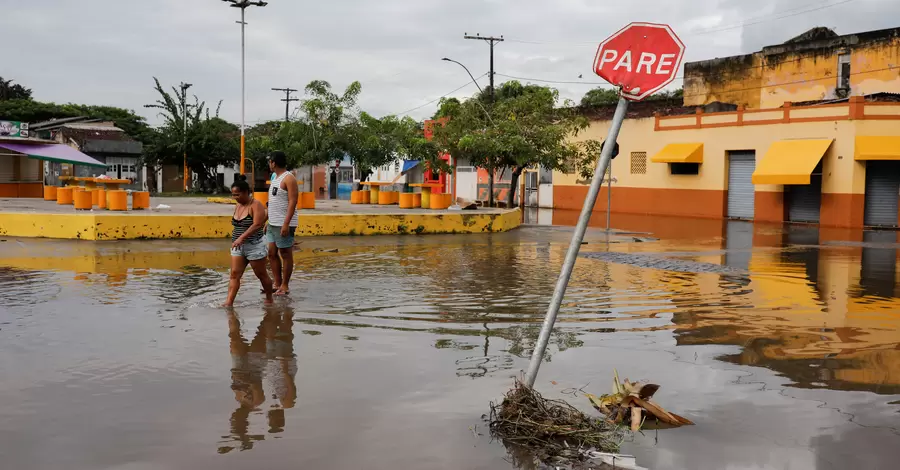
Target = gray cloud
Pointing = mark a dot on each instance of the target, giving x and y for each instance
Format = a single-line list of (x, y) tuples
[(106, 51)]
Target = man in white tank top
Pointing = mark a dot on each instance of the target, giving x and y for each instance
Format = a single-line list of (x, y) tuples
[(282, 222)]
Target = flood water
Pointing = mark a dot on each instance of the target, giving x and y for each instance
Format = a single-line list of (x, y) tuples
[(781, 344)]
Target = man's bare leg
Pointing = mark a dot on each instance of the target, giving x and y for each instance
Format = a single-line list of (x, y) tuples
[(287, 261), (275, 262)]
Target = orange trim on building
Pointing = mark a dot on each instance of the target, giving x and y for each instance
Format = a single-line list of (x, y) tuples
[(673, 202), (22, 190), (768, 206), (842, 210), (853, 109)]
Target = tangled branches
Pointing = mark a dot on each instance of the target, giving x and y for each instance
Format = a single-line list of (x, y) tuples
[(550, 428)]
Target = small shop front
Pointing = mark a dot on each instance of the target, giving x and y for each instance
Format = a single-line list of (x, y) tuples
[(21, 164)]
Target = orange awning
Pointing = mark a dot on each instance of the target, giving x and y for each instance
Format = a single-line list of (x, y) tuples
[(680, 153), (877, 148), (791, 161)]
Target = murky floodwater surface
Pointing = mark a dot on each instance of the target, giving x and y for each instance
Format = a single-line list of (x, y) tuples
[(782, 347)]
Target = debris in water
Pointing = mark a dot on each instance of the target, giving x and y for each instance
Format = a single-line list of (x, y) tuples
[(552, 430), (631, 403)]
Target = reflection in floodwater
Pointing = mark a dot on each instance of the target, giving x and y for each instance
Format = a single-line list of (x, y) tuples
[(818, 310), (269, 356)]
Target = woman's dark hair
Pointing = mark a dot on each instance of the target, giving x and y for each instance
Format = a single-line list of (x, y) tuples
[(279, 159), (240, 183)]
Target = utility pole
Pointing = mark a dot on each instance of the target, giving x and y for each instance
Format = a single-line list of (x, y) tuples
[(287, 101), (184, 106), (490, 40)]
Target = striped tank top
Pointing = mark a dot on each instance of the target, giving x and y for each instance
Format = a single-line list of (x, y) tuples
[(278, 203), (241, 226)]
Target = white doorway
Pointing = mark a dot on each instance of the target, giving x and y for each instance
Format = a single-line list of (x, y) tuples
[(467, 182)]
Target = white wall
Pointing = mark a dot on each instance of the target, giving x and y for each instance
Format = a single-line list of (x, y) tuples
[(389, 172), (545, 196)]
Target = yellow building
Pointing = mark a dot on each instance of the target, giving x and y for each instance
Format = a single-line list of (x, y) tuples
[(817, 65), (835, 163)]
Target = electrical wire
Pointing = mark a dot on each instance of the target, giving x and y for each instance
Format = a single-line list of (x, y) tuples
[(599, 84), (791, 12), (442, 96)]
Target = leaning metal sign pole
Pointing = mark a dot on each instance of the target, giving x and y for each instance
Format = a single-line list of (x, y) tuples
[(640, 59)]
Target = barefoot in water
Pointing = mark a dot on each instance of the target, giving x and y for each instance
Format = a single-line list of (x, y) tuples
[(283, 291), (269, 301)]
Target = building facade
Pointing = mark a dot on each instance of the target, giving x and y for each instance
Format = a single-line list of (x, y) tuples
[(837, 165), (828, 153), (818, 65)]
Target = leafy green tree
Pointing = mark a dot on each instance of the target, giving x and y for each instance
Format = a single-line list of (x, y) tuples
[(209, 140), (326, 117), (10, 91), (526, 126), (374, 142), (599, 97), (35, 111)]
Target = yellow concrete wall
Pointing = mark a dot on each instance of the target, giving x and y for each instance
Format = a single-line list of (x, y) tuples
[(841, 173), (138, 226), (760, 81)]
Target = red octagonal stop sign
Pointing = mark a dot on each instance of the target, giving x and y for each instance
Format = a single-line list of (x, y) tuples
[(642, 58)]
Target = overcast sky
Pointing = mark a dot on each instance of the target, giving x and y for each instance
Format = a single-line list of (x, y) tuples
[(107, 51)]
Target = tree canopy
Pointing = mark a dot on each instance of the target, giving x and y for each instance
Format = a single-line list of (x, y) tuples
[(10, 91), (330, 126), (209, 141), (525, 126), (608, 97)]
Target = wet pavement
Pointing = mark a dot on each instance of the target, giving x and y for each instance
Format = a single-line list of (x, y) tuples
[(781, 343)]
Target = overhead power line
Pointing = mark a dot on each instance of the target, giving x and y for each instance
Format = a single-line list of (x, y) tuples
[(795, 82), (442, 96), (791, 12)]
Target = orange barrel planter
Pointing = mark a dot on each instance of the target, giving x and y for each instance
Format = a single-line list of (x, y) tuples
[(64, 195), (396, 196), (101, 198), (407, 200), (117, 200), (307, 200), (50, 193), (262, 196), (385, 198), (140, 200), (355, 197), (439, 201), (366, 197), (82, 200), (95, 197), (417, 199)]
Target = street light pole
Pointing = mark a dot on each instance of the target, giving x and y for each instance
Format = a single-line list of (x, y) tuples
[(486, 113), (243, 5), (184, 88)]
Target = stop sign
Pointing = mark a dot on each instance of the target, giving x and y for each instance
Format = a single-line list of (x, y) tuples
[(642, 58)]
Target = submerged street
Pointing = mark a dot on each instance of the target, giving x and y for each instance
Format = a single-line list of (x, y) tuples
[(781, 343)]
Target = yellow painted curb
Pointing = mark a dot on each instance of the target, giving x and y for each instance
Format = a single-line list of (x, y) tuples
[(221, 200), (177, 226)]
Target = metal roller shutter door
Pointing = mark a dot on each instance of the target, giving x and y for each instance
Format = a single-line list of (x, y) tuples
[(882, 189), (804, 201), (7, 171), (740, 184)]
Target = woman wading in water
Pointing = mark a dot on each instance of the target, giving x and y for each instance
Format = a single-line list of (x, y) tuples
[(248, 241)]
